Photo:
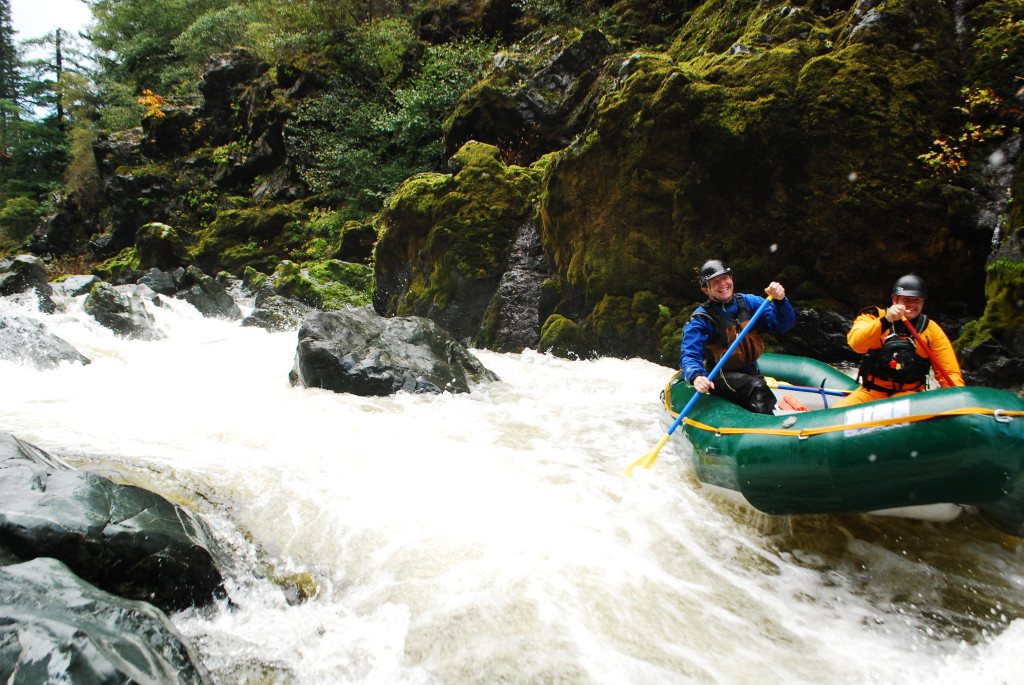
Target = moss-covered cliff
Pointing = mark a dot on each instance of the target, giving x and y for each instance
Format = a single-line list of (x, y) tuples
[(601, 155)]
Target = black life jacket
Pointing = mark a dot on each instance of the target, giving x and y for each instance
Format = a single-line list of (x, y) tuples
[(896, 361), (725, 332)]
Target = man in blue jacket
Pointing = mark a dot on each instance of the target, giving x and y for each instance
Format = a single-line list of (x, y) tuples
[(713, 327)]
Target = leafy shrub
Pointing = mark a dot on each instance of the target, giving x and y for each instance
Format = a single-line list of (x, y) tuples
[(17, 221), (364, 140)]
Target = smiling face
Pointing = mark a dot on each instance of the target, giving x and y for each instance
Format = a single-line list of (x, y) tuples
[(719, 288), (914, 305)]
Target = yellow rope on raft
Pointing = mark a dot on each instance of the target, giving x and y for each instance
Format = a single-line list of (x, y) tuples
[(807, 432), (895, 421)]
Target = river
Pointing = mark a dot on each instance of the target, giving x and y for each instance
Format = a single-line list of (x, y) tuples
[(494, 536)]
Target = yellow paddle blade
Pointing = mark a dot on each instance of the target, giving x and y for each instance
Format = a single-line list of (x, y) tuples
[(772, 383), (647, 461)]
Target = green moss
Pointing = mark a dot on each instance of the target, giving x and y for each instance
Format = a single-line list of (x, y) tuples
[(639, 326), (258, 237), (1003, 318), (113, 269), (160, 246), (562, 337), (253, 279), (144, 170), (330, 284)]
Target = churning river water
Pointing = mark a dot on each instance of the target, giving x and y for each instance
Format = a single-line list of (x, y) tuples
[(493, 537)]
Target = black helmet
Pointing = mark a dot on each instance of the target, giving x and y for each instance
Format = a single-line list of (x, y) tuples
[(910, 285), (711, 269)]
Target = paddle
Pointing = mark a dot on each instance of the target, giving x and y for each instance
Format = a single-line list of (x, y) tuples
[(773, 383), (931, 355), (647, 461)]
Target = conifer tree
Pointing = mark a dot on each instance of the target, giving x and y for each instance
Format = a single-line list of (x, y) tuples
[(9, 88)]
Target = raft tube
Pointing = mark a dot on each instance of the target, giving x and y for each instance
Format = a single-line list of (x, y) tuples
[(927, 455)]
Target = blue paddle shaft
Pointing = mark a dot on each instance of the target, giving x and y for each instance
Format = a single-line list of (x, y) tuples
[(721, 362), (812, 389)]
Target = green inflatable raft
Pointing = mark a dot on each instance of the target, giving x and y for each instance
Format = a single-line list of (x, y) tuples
[(929, 455)]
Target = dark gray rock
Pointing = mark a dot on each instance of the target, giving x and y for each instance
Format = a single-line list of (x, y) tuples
[(28, 342), (991, 363), (207, 295), (356, 351), (518, 308), (820, 334), (122, 313), (55, 627), (125, 540), (136, 193), (160, 281), (73, 286), (27, 274), (275, 312)]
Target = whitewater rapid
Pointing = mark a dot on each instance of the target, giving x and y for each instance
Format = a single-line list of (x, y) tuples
[(494, 536)]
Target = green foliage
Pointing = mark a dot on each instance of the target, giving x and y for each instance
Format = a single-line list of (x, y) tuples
[(138, 40), (211, 33), (18, 217), (288, 30), (386, 45), (984, 117), (998, 47), (365, 140)]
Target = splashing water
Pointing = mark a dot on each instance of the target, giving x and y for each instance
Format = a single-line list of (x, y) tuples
[(493, 536)]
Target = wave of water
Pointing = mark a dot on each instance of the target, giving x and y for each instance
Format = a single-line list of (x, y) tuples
[(493, 536)]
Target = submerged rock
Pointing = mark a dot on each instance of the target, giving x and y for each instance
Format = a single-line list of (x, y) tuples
[(55, 627), (359, 352), (25, 341)]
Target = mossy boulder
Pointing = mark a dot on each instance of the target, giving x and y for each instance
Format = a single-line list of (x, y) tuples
[(327, 285), (258, 237), (1003, 319), (444, 238), (159, 246), (121, 268), (563, 337)]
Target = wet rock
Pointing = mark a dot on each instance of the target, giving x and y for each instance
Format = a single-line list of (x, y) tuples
[(991, 363), (275, 312), (359, 352), (26, 274), (73, 286), (26, 341), (819, 334), (518, 307), (207, 295), (161, 282), (55, 627), (124, 314), (125, 540)]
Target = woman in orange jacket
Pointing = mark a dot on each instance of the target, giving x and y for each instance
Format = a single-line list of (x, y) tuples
[(893, 362)]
